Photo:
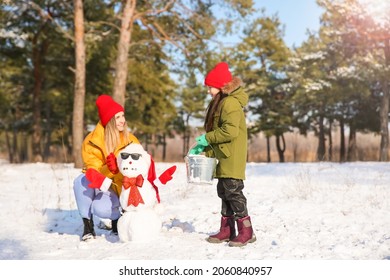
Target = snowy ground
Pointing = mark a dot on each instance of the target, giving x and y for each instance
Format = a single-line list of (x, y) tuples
[(300, 211)]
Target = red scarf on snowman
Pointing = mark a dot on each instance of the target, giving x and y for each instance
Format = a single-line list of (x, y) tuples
[(135, 197)]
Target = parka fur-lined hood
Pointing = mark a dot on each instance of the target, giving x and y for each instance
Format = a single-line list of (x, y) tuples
[(233, 88)]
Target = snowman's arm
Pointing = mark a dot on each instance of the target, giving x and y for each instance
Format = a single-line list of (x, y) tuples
[(165, 177)]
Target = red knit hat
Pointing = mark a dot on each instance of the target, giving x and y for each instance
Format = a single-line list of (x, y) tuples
[(107, 108), (218, 76)]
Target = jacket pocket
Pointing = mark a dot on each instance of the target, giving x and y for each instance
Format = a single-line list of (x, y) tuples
[(224, 149)]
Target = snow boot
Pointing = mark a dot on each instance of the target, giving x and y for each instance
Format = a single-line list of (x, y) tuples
[(89, 231), (245, 233), (114, 225), (226, 232)]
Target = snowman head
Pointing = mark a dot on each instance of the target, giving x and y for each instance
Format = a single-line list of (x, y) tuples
[(133, 160)]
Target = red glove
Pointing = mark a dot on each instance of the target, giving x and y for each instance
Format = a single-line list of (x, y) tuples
[(167, 175), (111, 163), (95, 177)]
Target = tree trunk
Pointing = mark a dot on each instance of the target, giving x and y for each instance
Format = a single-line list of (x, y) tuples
[(123, 51), (9, 147), (384, 122), (321, 140), (384, 109), (268, 149), (352, 144), (15, 146), (330, 142), (281, 147), (47, 133), (164, 147), (186, 136), (79, 88), (38, 53), (342, 141)]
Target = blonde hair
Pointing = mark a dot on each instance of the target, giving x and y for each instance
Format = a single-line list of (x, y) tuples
[(113, 137)]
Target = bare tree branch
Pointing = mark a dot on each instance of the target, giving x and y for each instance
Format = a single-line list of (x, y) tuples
[(155, 12), (44, 15)]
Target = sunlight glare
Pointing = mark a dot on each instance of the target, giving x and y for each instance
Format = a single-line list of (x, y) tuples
[(379, 10)]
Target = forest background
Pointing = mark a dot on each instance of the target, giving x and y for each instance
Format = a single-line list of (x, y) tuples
[(325, 100)]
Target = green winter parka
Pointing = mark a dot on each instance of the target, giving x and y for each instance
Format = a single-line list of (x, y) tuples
[(229, 135)]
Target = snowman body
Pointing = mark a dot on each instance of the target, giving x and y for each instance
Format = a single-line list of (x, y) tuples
[(140, 221)]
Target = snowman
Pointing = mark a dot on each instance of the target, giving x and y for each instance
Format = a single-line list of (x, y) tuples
[(139, 198)]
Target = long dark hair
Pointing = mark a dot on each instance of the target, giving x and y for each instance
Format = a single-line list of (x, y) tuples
[(211, 109)]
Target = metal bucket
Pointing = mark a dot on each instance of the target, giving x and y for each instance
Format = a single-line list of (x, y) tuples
[(200, 169)]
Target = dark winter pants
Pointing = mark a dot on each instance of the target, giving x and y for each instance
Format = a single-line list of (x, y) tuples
[(233, 199)]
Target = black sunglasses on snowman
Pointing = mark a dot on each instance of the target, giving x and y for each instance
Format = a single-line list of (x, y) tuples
[(134, 156)]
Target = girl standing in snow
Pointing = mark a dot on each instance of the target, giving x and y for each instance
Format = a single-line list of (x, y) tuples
[(97, 189), (226, 133)]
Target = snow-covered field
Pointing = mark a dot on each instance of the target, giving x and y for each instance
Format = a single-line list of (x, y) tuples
[(300, 211)]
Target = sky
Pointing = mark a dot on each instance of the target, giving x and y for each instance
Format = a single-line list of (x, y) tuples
[(296, 15), (312, 221)]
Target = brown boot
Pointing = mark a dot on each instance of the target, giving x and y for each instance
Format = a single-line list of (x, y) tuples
[(245, 233), (226, 232)]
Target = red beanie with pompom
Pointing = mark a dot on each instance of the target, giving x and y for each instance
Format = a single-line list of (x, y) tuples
[(218, 76), (107, 108)]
